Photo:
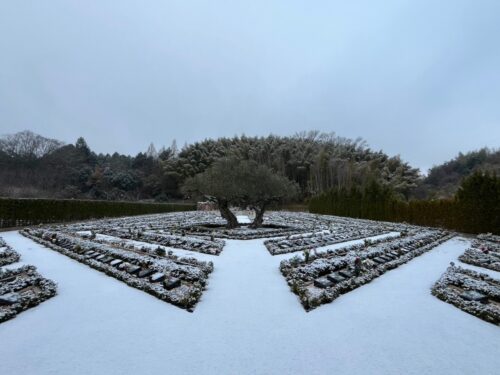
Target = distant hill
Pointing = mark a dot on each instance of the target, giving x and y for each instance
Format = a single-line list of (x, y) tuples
[(443, 180)]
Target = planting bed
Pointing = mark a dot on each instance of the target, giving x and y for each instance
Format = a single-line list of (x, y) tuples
[(242, 233), (21, 289), (178, 280), (204, 232), (483, 253), (489, 237), (473, 292), (319, 279), (159, 229), (338, 234), (7, 254), (202, 245)]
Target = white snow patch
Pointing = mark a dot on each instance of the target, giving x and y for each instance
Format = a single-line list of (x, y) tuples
[(247, 322), (243, 219)]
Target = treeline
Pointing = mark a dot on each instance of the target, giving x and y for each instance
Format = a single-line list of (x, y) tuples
[(474, 209), (34, 166), (315, 161), (444, 180), (21, 212)]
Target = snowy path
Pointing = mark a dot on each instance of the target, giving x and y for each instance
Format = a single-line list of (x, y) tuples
[(247, 322)]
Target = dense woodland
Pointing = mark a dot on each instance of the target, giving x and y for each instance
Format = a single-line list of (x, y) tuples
[(443, 181), (34, 166)]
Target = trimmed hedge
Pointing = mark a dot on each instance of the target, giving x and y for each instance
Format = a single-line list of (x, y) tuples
[(22, 212), (474, 209), (439, 213)]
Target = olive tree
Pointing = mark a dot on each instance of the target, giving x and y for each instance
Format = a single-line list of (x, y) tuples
[(242, 183), (218, 184)]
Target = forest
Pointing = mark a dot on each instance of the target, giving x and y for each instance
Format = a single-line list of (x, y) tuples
[(34, 166), (334, 175)]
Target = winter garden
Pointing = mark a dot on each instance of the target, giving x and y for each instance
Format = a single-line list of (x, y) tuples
[(293, 265), (215, 283)]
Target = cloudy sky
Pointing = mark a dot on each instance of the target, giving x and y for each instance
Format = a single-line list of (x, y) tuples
[(416, 78)]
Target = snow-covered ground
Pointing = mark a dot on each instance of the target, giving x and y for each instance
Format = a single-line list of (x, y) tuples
[(247, 322), (243, 219)]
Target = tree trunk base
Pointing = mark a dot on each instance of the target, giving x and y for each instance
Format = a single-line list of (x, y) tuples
[(259, 219), (227, 214)]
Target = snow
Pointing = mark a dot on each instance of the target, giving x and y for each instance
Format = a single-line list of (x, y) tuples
[(324, 249), (139, 244), (243, 219), (247, 322)]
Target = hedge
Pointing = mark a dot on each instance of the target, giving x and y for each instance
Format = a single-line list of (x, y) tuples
[(22, 212), (475, 208)]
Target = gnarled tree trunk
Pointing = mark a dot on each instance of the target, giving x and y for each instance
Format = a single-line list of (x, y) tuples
[(227, 214), (259, 216)]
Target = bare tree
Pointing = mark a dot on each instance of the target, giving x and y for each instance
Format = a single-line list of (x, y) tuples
[(27, 144)]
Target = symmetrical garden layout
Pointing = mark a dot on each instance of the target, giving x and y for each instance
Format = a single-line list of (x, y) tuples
[(171, 255), (20, 288), (190, 260)]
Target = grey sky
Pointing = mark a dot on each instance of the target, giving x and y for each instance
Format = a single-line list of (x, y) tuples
[(416, 78)]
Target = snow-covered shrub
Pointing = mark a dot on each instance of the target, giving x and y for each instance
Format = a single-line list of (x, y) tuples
[(7, 254), (22, 288), (456, 282), (331, 274)]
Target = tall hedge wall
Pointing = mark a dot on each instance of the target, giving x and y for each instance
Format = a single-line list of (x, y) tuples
[(439, 213), (21, 212), (475, 208)]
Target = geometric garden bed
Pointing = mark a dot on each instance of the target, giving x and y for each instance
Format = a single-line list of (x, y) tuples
[(22, 288), (7, 254), (177, 280), (483, 253), (321, 279), (475, 293)]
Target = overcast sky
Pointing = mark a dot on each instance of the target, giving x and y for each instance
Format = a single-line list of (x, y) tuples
[(416, 78)]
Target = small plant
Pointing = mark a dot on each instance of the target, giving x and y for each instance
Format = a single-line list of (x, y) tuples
[(307, 253), (160, 251), (296, 288)]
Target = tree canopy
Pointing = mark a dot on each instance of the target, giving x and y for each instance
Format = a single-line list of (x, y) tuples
[(244, 183)]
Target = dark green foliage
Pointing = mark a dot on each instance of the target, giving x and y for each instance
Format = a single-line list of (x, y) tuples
[(316, 162), (475, 209), (444, 180), (244, 183), (32, 166), (21, 212), (36, 167), (479, 201)]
